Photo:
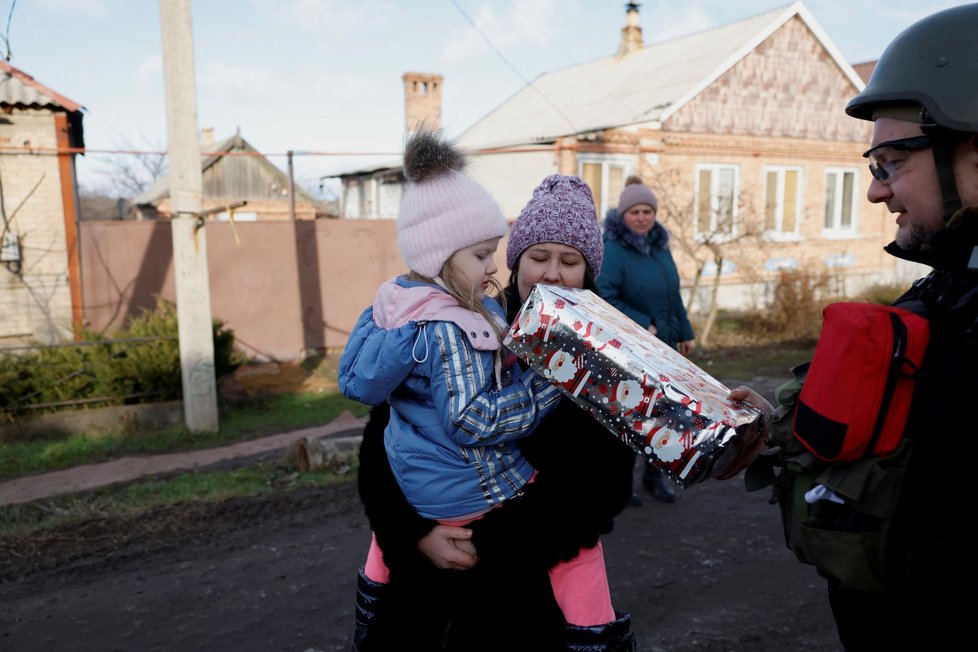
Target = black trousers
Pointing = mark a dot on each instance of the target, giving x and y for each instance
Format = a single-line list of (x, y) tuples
[(922, 618)]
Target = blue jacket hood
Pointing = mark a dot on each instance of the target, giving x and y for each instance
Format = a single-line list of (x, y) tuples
[(389, 338), (615, 229)]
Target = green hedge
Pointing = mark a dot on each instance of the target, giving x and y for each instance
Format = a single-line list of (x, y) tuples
[(116, 370)]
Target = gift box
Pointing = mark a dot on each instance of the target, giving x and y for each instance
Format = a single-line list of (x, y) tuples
[(647, 394)]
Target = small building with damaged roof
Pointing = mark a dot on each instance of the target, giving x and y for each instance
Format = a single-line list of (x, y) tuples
[(40, 286)]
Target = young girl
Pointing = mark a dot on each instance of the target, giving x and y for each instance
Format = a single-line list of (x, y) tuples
[(430, 347)]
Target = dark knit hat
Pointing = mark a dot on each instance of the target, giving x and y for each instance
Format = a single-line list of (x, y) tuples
[(636, 193), (561, 210)]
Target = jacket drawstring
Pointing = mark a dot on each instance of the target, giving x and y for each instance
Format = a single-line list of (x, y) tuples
[(422, 335)]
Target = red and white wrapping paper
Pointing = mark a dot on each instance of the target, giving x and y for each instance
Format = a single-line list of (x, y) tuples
[(649, 395)]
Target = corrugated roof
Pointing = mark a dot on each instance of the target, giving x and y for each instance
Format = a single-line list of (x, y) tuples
[(17, 88), (643, 87), (160, 188)]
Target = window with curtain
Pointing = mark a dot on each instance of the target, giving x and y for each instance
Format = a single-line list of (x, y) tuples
[(840, 201), (606, 178), (782, 200), (717, 187)]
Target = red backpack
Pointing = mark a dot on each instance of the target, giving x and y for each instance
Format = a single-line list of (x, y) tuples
[(856, 397)]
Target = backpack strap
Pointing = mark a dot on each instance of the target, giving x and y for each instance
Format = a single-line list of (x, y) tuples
[(762, 472)]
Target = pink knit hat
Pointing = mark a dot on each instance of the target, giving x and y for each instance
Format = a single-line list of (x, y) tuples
[(561, 210), (442, 208), (636, 193)]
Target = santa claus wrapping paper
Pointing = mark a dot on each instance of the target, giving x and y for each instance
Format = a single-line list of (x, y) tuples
[(651, 397)]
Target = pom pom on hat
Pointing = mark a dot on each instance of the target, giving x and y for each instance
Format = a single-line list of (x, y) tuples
[(636, 193), (442, 208), (561, 210)]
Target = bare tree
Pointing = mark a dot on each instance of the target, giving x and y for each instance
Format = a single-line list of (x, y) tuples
[(120, 176), (132, 170), (706, 229)]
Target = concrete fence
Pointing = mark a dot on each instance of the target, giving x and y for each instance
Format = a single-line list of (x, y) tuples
[(283, 287)]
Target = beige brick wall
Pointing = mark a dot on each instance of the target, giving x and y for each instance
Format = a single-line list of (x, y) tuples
[(754, 254), (781, 105), (36, 304)]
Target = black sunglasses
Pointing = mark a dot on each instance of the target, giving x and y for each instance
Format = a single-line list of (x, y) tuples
[(913, 144)]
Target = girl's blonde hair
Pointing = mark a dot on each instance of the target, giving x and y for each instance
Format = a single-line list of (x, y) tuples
[(455, 284)]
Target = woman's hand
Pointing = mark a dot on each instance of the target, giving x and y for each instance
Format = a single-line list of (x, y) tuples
[(449, 547), (686, 347), (653, 329), (753, 440)]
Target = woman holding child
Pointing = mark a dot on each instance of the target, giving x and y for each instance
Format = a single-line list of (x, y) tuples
[(533, 564)]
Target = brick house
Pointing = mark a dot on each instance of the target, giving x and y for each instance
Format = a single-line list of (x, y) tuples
[(233, 172), (740, 130), (40, 134)]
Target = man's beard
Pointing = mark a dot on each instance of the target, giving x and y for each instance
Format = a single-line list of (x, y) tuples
[(912, 238)]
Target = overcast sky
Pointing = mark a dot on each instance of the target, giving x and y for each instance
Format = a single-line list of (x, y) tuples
[(325, 75)]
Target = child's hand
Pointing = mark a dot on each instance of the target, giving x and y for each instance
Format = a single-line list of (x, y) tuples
[(467, 546), (449, 547)]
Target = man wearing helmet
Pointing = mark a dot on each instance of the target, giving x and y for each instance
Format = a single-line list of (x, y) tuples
[(923, 102)]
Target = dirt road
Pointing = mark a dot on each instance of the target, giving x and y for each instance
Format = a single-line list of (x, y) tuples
[(709, 572)]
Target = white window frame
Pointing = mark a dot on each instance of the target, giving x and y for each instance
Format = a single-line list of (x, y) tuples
[(834, 230), (778, 232), (715, 200), (625, 162)]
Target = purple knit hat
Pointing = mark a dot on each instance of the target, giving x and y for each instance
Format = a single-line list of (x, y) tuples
[(561, 210), (636, 193)]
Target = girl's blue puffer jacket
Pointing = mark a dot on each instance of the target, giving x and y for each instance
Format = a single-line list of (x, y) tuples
[(453, 427)]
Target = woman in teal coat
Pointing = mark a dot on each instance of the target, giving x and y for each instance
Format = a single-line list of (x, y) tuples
[(639, 277)]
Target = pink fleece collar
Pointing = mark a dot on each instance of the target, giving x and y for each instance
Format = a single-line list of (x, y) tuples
[(395, 306)]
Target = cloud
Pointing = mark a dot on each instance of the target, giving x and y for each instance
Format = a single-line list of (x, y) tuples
[(669, 20), (516, 23), (916, 12), (88, 8), (329, 18), (150, 73)]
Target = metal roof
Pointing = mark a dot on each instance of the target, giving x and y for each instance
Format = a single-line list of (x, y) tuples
[(643, 87), (17, 88), (160, 189)]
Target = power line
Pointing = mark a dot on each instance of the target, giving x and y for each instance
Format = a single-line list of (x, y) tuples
[(512, 67), (6, 35), (569, 57), (29, 149)]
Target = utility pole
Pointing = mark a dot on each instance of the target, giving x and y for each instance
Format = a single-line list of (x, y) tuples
[(187, 225)]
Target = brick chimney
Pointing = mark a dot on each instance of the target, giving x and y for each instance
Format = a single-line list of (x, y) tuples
[(422, 100), (631, 33)]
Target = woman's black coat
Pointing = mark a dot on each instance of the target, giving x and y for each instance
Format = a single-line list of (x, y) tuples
[(583, 481)]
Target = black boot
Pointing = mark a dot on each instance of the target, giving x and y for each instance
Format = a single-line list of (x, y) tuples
[(616, 636), (657, 484), (370, 596)]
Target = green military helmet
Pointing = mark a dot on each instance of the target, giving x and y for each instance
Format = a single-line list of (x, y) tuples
[(934, 63)]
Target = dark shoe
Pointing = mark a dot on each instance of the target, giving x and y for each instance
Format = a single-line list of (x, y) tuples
[(370, 596), (659, 486), (616, 636), (634, 501)]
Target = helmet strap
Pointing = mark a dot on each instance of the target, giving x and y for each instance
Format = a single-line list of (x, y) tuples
[(944, 161), (944, 145)]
